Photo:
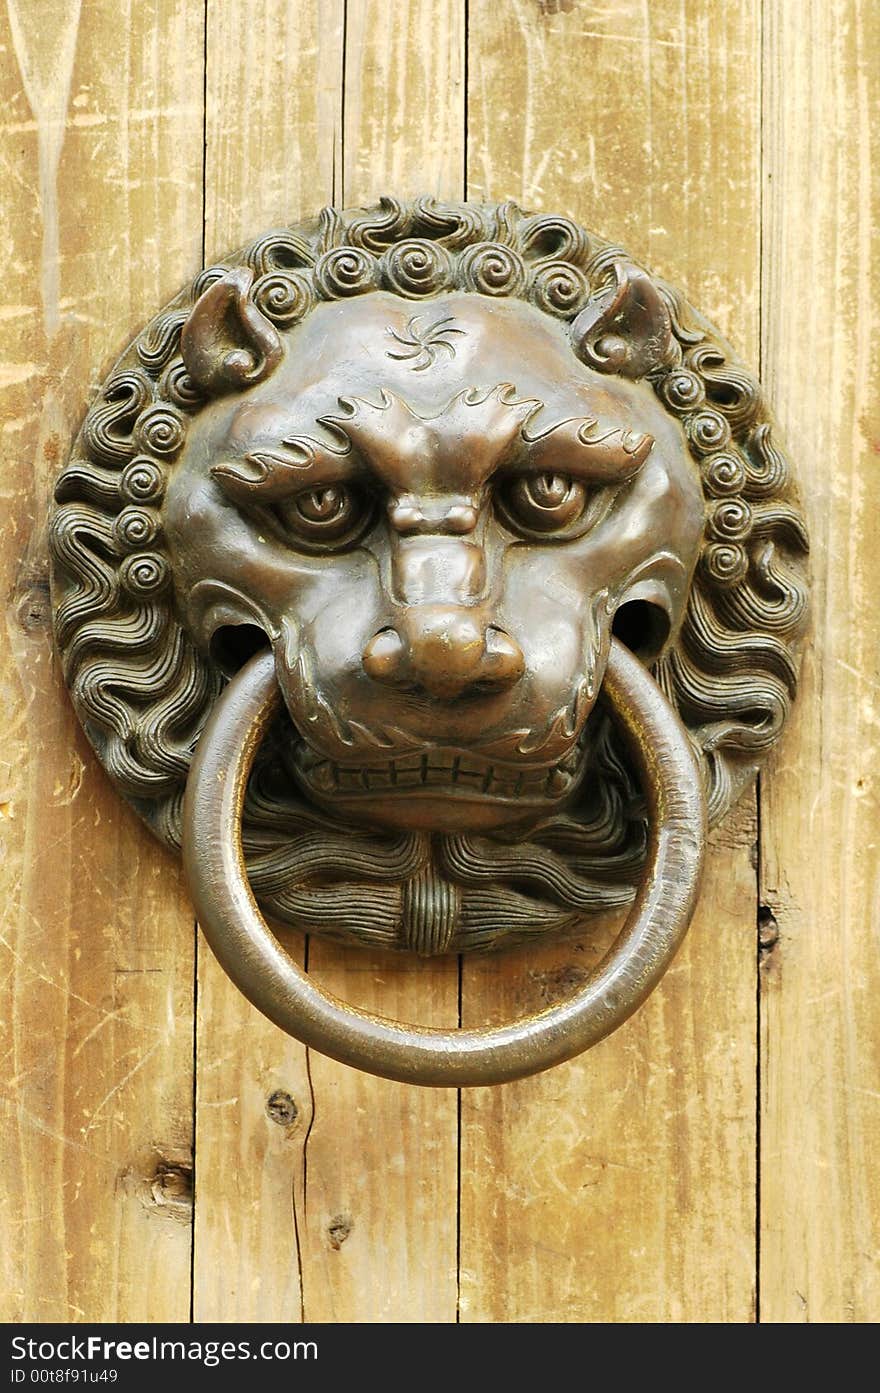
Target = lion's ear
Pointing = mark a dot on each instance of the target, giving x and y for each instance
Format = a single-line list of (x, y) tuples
[(227, 344), (625, 329)]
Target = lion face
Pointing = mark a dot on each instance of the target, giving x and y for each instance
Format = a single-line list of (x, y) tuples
[(435, 520), (434, 455)]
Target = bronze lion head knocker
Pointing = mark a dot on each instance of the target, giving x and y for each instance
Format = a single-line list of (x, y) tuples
[(430, 574)]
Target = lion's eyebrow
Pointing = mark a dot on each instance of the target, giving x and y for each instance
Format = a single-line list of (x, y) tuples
[(263, 476), (610, 453), (574, 443)]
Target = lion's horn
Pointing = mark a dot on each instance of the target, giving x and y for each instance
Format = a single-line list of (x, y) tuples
[(227, 343), (625, 329)]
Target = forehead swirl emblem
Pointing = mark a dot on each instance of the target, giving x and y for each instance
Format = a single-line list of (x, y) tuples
[(419, 344)]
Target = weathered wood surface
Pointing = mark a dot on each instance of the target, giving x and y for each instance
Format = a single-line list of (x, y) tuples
[(820, 867), (101, 150), (731, 148)]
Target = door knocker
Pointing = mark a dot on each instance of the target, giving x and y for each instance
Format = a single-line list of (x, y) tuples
[(431, 575)]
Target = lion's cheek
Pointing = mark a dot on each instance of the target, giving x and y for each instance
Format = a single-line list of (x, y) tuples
[(323, 630), (561, 617)]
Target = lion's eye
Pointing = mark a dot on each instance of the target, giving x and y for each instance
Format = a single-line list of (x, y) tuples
[(322, 505), (330, 515), (543, 502)]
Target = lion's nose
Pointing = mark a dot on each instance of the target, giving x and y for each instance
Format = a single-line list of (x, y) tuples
[(445, 652)]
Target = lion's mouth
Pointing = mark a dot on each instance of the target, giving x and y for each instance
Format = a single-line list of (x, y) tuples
[(438, 773)]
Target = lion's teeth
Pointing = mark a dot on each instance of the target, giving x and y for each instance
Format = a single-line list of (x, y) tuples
[(350, 779), (410, 776), (439, 769), (438, 773)]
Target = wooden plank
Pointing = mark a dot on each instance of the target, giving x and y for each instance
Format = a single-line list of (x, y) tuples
[(101, 151), (273, 89), (382, 1178), (621, 1187), (404, 100), (272, 136), (820, 1030)]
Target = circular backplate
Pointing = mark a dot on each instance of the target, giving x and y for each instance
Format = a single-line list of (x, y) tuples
[(263, 466)]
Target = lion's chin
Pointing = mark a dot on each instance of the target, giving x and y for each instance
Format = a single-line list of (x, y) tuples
[(439, 790)]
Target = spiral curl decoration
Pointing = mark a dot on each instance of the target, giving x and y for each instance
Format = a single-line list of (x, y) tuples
[(725, 563), (283, 297), (730, 520), (135, 528), (145, 574), (491, 268), (159, 431), (142, 481), (723, 474), (180, 389), (707, 431), (346, 271), (416, 267), (558, 288), (683, 390)]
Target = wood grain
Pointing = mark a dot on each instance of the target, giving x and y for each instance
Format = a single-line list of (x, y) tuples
[(382, 1157), (273, 88), (404, 99), (621, 1186), (100, 146), (270, 151), (820, 869)]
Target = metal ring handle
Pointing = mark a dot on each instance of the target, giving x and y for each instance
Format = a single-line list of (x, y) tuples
[(271, 980)]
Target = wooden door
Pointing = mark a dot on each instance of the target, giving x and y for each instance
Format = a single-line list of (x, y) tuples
[(168, 1155)]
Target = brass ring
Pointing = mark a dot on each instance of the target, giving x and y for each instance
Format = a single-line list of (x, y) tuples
[(271, 980)]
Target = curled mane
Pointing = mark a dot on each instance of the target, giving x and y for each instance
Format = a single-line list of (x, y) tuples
[(144, 691)]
